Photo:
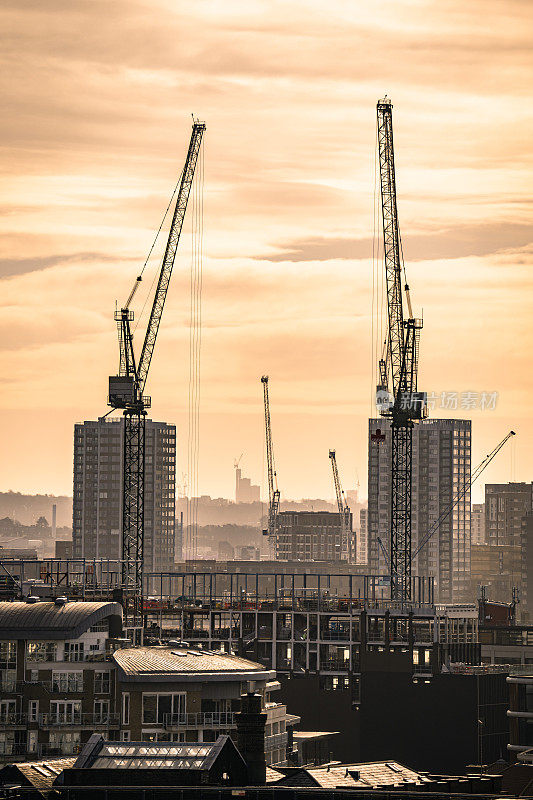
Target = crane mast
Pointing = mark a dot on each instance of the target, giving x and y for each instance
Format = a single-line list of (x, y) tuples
[(273, 491), (399, 368), (126, 392), (344, 509)]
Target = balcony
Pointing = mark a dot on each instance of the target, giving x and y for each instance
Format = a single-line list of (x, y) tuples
[(215, 719), (11, 750), (75, 720), (12, 721), (58, 750)]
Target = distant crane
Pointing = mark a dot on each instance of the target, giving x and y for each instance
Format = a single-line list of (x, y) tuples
[(126, 392), (273, 491), (399, 366), (344, 509)]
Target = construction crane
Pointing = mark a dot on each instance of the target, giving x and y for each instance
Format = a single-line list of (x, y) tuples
[(344, 509), (273, 491), (398, 368), (126, 392)]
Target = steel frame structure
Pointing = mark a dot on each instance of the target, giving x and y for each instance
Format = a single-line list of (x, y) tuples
[(133, 401), (273, 491), (402, 363)]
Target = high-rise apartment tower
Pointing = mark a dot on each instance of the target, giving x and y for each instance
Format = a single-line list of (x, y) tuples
[(441, 465), (97, 507)]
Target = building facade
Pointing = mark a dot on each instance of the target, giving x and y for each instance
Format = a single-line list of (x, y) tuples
[(180, 694), (97, 504), (477, 523), (505, 505), (57, 685), (311, 536), (441, 468)]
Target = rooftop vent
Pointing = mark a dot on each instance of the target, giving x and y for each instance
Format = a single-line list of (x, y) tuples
[(61, 601)]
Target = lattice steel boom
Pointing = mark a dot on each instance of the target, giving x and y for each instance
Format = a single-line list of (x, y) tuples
[(400, 365), (126, 392), (344, 509), (273, 491)]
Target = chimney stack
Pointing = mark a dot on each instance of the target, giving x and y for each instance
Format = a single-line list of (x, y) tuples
[(251, 737), (54, 521)]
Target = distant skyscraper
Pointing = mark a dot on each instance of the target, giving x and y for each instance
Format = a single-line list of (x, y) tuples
[(245, 490), (441, 465), (97, 507), (478, 523), (505, 505)]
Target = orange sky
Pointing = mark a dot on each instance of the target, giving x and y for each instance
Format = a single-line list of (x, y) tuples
[(97, 100)]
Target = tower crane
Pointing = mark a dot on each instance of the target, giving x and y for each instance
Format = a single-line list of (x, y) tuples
[(273, 491), (344, 509), (398, 369), (126, 392)]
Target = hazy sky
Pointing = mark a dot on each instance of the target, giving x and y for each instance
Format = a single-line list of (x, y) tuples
[(97, 100)]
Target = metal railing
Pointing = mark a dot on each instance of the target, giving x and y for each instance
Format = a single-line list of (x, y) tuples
[(63, 749), (78, 720), (7, 720), (207, 719), (335, 665)]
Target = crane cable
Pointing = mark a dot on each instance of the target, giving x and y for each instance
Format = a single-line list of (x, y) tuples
[(195, 340), (156, 274), (462, 491)]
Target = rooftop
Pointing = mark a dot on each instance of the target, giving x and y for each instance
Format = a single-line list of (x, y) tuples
[(100, 754), (168, 663), (46, 620), (39, 774), (371, 775)]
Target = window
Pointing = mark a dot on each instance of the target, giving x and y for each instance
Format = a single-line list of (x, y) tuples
[(33, 711), (8, 710), (125, 736), (73, 651), (102, 682), (157, 706), (67, 681), (125, 709), (101, 711), (8, 655), (65, 711), (41, 651)]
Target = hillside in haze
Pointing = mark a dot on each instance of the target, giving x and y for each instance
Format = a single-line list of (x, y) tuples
[(27, 508)]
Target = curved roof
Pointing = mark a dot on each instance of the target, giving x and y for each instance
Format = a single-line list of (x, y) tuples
[(177, 663), (46, 620)]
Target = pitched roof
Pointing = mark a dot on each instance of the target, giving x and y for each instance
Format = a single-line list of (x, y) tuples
[(39, 774), (168, 663), (359, 776), (100, 754), (46, 620)]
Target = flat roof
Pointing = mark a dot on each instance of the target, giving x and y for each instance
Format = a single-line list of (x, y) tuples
[(46, 620), (165, 663)]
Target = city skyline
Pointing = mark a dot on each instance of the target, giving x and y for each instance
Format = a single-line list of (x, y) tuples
[(288, 92)]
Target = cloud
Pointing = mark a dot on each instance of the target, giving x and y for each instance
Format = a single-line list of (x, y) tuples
[(459, 242)]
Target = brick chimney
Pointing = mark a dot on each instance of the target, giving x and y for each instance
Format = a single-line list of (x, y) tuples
[(251, 737)]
